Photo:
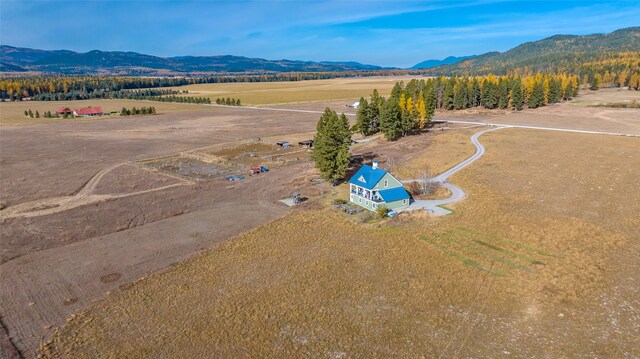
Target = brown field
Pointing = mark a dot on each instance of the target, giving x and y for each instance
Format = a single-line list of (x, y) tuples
[(12, 113), (83, 219), (264, 93), (530, 257)]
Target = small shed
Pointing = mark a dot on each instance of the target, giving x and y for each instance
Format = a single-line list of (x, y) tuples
[(283, 144), (306, 143)]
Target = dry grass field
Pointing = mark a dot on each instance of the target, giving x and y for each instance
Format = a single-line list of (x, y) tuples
[(264, 93), (83, 220), (541, 260), (12, 113)]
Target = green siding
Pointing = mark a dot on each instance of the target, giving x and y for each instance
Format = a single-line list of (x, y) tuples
[(391, 182), (396, 204)]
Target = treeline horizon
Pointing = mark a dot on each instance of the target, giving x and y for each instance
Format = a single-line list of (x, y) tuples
[(613, 70)]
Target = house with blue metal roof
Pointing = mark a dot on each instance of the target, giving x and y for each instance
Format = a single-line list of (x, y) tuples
[(372, 187)]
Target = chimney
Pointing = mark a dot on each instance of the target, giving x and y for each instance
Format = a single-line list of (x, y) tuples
[(374, 164)]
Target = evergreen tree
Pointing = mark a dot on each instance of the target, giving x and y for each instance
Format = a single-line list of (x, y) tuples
[(536, 99), (430, 102), (517, 97), (37, 114), (503, 94), (30, 113), (363, 122), (447, 95), (489, 95), (397, 89), (594, 82), (555, 91), (461, 96), (26, 113), (375, 104), (474, 98), (238, 102), (331, 145), (391, 119), (408, 121)]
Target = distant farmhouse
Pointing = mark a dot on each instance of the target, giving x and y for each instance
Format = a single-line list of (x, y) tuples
[(372, 187), (83, 112)]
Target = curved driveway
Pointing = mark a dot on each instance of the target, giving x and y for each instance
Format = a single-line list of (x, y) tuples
[(433, 206)]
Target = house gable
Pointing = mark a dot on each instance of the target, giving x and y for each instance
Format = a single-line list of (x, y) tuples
[(390, 181)]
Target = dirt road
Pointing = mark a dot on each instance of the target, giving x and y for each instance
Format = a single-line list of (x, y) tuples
[(457, 194)]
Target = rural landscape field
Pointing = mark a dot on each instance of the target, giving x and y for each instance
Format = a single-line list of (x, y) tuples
[(229, 221)]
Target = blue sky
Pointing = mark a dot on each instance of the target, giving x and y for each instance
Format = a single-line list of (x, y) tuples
[(387, 33)]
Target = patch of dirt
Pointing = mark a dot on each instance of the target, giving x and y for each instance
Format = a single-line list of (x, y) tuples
[(111, 277), (129, 178)]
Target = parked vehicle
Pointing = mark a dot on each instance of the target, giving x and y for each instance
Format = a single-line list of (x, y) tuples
[(235, 178), (257, 170)]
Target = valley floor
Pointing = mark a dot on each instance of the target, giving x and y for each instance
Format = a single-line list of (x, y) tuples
[(540, 259)]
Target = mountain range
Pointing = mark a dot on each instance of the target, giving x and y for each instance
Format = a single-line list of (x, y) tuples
[(548, 54), (64, 61)]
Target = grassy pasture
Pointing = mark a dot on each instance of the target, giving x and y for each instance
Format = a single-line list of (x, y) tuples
[(266, 93), (12, 113), (527, 257)]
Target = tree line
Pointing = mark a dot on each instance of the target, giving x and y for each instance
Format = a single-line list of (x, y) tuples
[(228, 101), (103, 94), (138, 111), (411, 107), (180, 99)]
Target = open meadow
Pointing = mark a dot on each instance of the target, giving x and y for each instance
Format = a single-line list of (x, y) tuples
[(138, 239), (533, 263), (265, 93)]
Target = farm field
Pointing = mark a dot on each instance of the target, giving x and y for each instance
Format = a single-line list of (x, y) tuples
[(104, 220), (265, 93), (12, 113), (558, 280)]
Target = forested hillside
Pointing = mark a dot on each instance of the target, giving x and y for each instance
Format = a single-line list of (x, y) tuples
[(611, 52)]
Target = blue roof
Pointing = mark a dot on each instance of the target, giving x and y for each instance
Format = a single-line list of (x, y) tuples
[(367, 177), (393, 194)]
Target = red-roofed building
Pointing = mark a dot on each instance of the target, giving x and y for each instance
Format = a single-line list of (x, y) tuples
[(89, 111), (64, 110)]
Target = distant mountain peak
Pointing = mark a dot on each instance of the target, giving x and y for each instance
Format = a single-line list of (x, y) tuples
[(433, 63)]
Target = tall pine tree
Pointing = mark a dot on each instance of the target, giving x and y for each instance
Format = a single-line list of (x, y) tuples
[(517, 97), (331, 145)]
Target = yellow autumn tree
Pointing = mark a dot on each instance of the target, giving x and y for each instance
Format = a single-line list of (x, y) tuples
[(421, 110)]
